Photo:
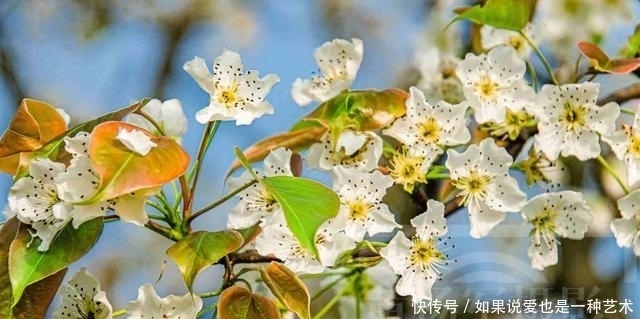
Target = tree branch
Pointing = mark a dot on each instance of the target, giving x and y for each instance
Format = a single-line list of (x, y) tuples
[(622, 95)]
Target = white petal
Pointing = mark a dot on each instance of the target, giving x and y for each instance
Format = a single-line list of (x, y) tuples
[(198, 69), (351, 141), (136, 140), (278, 162), (573, 215), (47, 230), (584, 146), (505, 195), (82, 298), (300, 91), (150, 305), (432, 222), (483, 218), (625, 231), (629, 205), (416, 284), (543, 251), (604, 118), (397, 253)]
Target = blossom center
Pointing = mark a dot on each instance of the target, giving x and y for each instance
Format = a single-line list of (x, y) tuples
[(517, 42), (474, 186), (406, 170), (486, 88), (545, 221), (359, 209), (429, 130), (573, 116), (634, 146), (425, 254), (228, 97), (266, 201)]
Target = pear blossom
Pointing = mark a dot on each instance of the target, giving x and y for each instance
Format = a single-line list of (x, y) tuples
[(150, 305), (627, 228), (360, 150), (560, 214), (136, 140), (339, 61), (361, 202), (626, 145), (492, 82), (438, 78), (233, 94), (83, 298), (481, 174), (168, 115), (429, 127), (570, 122), (330, 240), (493, 37), (409, 167), (34, 200), (419, 260), (256, 204)]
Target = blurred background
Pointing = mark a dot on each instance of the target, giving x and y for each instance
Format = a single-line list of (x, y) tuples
[(92, 56)]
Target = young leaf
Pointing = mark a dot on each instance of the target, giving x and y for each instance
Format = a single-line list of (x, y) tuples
[(27, 265), (34, 124), (51, 149), (38, 296), (249, 234), (123, 171), (7, 234), (633, 44), (201, 249), (239, 303), (501, 14), (288, 288), (306, 205), (603, 63)]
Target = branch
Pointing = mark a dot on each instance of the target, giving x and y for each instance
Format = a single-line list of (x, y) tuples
[(10, 78), (622, 95)]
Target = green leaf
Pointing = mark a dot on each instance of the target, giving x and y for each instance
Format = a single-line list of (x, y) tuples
[(633, 44), (51, 149), (306, 205), (7, 234), (27, 265), (244, 162), (239, 303), (38, 296), (124, 171), (201, 249), (288, 288), (502, 14)]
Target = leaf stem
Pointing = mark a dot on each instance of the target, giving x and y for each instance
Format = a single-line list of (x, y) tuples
[(331, 303), (614, 174), (119, 312), (534, 76), (627, 111), (327, 288), (220, 201), (151, 120), (167, 233), (543, 59), (207, 136)]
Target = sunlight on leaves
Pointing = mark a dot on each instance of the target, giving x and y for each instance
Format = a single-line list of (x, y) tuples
[(501, 14), (306, 205), (201, 249), (288, 288), (239, 303)]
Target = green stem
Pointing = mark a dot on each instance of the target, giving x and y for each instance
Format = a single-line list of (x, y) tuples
[(613, 173), (165, 232), (110, 218), (327, 288), (534, 76), (627, 111), (331, 303), (220, 201), (151, 120), (118, 313), (543, 59), (209, 132), (210, 294)]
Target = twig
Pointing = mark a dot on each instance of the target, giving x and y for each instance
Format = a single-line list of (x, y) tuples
[(622, 95)]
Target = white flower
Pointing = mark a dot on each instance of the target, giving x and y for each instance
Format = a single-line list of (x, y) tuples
[(564, 214), (256, 203), (570, 120), (493, 37), (339, 61), (83, 298), (429, 127), (361, 202), (331, 240), (360, 150), (136, 140), (233, 94), (419, 261), (276, 239), (150, 305), (410, 167), (627, 228), (492, 82), (375, 287), (168, 114), (34, 199), (626, 145), (438, 78), (481, 174)]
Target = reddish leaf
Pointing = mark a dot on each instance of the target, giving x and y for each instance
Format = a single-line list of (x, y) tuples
[(239, 303), (601, 62), (123, 171), (33, 124), (7, 234), (38, 296), (288, 288)]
